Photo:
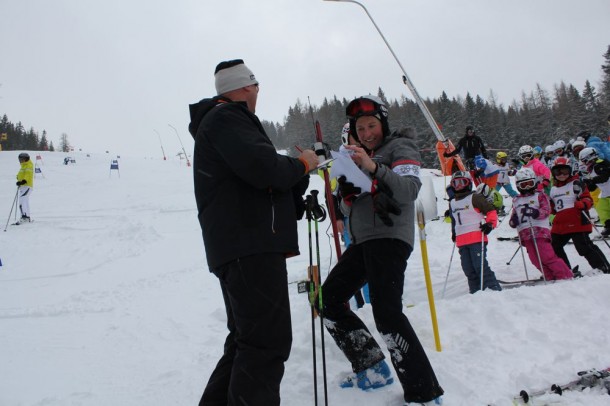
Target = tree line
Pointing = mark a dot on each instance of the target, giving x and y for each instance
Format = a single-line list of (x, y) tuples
[(538, 118), (16, 137)]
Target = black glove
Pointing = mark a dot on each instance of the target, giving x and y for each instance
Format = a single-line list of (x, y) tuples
[(453, 237), (446, 154), (531, 212), (486, 228), (21, 182), (347, 190), (384, 204)]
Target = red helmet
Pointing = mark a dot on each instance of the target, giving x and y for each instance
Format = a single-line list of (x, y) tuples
[(560, 164)]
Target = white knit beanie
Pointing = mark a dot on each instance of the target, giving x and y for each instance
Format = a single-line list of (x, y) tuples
[(235, 76)]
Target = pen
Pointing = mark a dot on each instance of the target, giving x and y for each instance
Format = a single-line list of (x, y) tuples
[(299, 148)]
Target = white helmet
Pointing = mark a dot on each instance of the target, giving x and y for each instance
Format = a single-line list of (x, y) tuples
[(526, 150), (588, 155), (345, 134), (559, 145), (525, 178), (549, 149), (484, 190)]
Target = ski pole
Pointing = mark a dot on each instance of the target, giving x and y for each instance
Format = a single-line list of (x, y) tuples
[(482, 256), (314, 194), (448, 269), (515, 254), (14, 205), (596, 229), (312, 287), (527, 277), (529, 220)]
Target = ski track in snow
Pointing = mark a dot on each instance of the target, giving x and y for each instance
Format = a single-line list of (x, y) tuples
[(105, 299)]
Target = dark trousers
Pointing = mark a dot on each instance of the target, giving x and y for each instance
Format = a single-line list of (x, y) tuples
[(584, 246), (255, 292), (470, 256), (382, 264)]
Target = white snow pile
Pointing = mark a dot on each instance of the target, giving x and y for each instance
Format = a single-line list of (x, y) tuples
[(105, 299)]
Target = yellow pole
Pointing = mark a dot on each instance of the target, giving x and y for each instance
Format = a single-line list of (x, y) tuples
[(421, 221)]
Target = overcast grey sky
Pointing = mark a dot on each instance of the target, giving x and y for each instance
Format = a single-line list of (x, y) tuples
[(108, 73)]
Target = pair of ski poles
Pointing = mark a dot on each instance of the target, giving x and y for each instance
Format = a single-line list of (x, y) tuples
[(315, 213), (13, 206)]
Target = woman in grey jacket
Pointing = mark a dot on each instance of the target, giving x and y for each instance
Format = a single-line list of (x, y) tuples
[(382, 230)]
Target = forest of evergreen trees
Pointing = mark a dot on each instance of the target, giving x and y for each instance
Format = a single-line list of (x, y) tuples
[(539, 118)]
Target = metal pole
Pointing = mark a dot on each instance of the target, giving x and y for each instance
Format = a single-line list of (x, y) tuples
[(448, 269), (162, 150), (14, 205), (529, 220), (527, 277), (431, 122), (183, 150)]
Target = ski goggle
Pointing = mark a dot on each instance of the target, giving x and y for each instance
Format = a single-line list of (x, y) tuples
[(559, 151), (460, 183), (361, 107), (528, 156), (526, 184), (561, 171)]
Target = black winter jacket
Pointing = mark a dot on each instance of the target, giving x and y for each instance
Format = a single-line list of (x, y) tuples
[(243, 187), (472, 146)]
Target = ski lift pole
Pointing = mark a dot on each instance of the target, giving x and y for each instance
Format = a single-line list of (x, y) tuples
[(162, 150), (188, 163), (437, 132), (421, 221), (447, 145)]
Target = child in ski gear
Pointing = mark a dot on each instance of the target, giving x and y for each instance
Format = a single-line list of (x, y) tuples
[(25, 183), (246, 194), (472, 218), (493, 196), (596, 173), (543, 173), (503, 174), (487, 171), (472, 145), (549, 156), (570, 201), (530, 216), (381, 225)]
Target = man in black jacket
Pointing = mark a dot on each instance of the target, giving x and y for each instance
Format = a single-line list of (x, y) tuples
[(472, 145), (247, 196)]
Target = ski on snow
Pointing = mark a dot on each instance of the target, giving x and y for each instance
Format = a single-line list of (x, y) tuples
[(586, 379)]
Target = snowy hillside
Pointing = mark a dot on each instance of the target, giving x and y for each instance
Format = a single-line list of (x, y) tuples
[(105, 299)]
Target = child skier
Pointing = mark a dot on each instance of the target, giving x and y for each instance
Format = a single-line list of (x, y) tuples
[(503, 174), (570, 200), (472, 218), (597, 175), (543, 174), (25, 183), (530, 216), (493, 196)]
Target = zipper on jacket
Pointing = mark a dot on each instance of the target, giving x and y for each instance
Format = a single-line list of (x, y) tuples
[(272, 210)]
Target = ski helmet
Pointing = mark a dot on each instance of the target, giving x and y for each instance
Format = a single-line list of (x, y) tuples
[(559, 147), (345, 134), (584, 134), (560, 165), (368, 105), (537, 151), (468, 128), (24, 156), (526, 181), (461, 181), (501, 156), (578, 146), (526, 151), (484, 190), (588, 155)]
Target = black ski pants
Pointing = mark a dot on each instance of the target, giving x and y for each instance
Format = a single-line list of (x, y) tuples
[(584, 246), (382, 264), (255, 292)]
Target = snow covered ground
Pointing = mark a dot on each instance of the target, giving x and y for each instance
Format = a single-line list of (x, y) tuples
[(106, 300)]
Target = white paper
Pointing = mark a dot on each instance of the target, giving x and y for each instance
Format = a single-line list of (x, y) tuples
[(344, 166)]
